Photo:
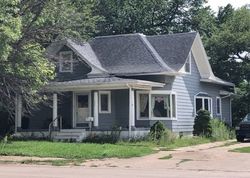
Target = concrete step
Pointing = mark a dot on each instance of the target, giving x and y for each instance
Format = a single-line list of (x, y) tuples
[(70, 134)]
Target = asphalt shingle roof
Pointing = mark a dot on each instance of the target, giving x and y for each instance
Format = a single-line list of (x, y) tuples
[(173, 48), (120, 54)]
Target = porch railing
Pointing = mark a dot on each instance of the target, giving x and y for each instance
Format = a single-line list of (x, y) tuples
[(51, 126)]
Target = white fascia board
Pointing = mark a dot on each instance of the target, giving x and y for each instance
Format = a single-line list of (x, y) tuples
[(201, 58), (110, 86)]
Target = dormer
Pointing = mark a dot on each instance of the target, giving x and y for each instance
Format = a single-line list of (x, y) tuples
[(73, 60)]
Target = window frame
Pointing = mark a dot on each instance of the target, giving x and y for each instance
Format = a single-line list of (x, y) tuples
[(156, 92), (61, 61), (109, 102), (188, 61), (138, 105), (210, 100), (218, 113)]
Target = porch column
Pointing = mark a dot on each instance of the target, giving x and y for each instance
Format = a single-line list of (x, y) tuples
[(131, 110), (55, 123), (96, 121), (18, 112)]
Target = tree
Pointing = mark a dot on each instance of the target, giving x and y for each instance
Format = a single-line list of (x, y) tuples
[(26, 28), (152, 16), (228, 47)]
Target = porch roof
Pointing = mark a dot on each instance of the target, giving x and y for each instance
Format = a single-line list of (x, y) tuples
[(102, 83)]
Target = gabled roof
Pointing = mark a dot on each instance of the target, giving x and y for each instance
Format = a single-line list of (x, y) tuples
[(173, 48), (137, 54)]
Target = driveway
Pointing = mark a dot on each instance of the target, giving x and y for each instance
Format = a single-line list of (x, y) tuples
[(203, 161)]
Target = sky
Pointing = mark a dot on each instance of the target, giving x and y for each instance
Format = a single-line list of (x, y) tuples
[(235, 3)]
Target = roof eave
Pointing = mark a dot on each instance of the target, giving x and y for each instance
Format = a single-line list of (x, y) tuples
[(217, 82)]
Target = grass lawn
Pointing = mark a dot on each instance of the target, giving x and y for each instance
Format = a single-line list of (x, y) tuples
[(76, 153), (73, 150), (242, 150)]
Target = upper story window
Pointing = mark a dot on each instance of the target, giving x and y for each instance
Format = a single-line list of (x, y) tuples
[(66, 61), (188, 64)]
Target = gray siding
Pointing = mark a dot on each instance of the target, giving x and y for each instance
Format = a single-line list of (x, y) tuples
[(187, 87), (226, 110), (80, 68), (119, 111)]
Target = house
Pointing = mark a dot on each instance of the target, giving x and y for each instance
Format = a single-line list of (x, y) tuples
[(129, 82)]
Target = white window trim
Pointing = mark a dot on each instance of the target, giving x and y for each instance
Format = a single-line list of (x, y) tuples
[(61, 61), (190, 61), (109, 102), (217, 106), (163, 92), (138, 105), (203, 105)]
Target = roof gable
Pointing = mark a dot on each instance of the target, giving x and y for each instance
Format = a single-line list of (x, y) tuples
[(173, 48)]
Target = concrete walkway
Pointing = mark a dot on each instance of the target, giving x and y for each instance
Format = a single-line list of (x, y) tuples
[(203, 161)]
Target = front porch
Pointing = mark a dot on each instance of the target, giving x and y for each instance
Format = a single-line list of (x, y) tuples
[(93, 105)]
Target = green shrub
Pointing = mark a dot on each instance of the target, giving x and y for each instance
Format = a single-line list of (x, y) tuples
[(219, 130), (202, 123), (167, 138), (157, 131)]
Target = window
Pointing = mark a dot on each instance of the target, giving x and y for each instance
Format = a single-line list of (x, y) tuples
[(188, 64), (66, 61), (218, 105), (143, 105), (204, 103), (156, 105), (104, 102)]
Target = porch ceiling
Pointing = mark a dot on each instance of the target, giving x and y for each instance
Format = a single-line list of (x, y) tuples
[(102, 84)]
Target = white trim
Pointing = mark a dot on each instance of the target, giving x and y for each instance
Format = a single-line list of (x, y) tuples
[(55, 122), (75, 107), (218, 113), (18, 112), (210, 101), (131, 110), (109, 102), (61, 61), (189, 59), (138, 104), (96, 119), (161, 92)]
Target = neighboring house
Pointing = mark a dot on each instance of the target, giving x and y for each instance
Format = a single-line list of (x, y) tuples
[(129, 82)]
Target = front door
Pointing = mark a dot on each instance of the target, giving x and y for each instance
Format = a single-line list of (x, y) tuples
[(82, 109)]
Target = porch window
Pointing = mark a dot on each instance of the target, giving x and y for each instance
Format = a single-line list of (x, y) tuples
[(218, 105), (143, 105), (156, 105), (66, 61), (204, 103), (104, 102)]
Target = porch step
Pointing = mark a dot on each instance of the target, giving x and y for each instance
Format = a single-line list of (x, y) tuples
[(70, 135)]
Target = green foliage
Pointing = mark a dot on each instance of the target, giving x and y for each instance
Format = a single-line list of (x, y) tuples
[(241, 102), (202, 123), (151, 16), (26, 28), (228, 44), (168, 137), (157, 131), (219, 131), (73, 150)]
